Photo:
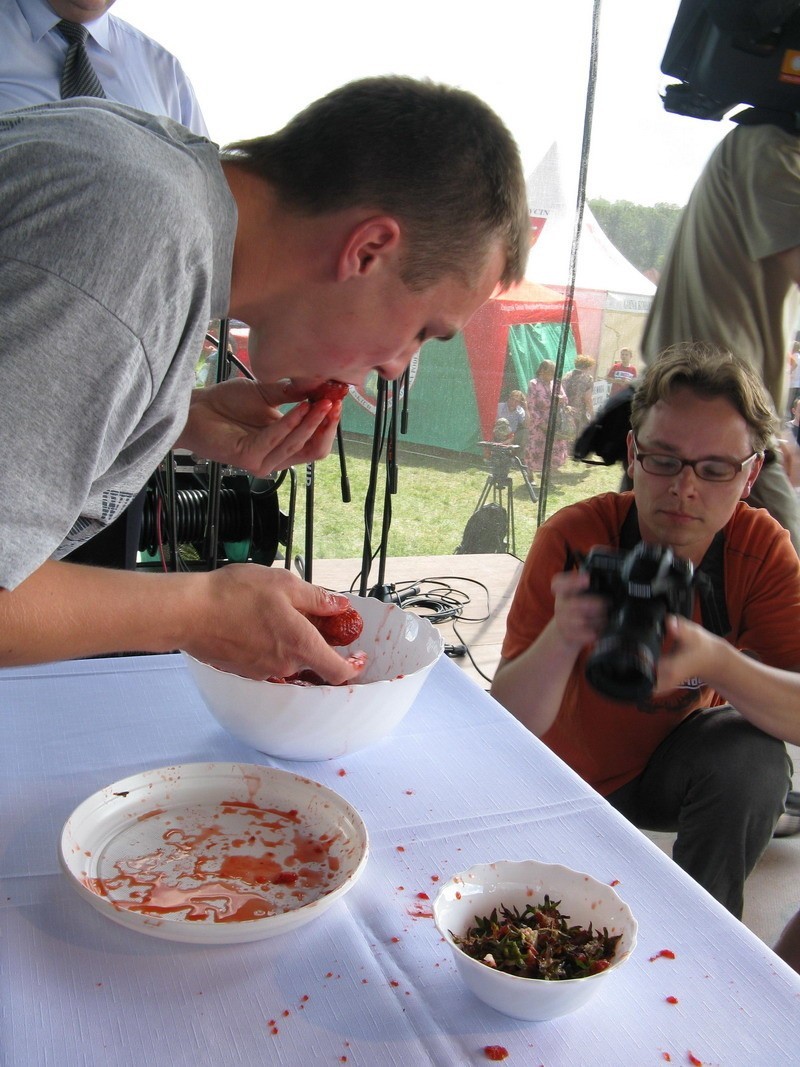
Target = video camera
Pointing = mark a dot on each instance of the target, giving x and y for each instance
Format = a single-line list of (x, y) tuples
[(501, 457), (644, 586), (730, 52)]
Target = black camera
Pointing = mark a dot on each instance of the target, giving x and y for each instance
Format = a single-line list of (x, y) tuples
[(500, 458), (729, 52), (644, 586)]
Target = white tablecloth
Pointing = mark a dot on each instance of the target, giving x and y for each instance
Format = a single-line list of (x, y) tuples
[(369, 982)]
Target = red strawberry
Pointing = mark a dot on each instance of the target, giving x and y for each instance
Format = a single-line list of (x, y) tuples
[(330, 390), (341, 629)]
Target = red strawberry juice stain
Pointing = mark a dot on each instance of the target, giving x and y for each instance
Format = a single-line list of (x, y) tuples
[(495, 1052), (148, 814), (199, 879), (416, 911), (285, 878), (665, 953), (671, 1000), (261, 870)]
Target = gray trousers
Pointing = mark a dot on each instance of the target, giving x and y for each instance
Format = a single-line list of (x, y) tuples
[(721, 783)]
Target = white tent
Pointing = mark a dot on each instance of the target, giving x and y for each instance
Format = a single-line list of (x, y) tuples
[(612, 297)]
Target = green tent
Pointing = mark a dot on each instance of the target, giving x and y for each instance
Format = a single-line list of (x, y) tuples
[(456, 385)]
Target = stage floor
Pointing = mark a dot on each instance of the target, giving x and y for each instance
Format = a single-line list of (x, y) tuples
[(484, 583)]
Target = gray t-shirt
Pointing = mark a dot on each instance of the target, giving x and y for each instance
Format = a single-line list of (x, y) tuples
[(116, 244), (720, 283)]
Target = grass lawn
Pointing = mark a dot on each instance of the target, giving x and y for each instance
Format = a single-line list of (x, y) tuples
[(435, 497)]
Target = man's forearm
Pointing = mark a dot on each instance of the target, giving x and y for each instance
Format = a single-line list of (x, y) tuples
[(67, 611), (532, 685), (766, 696)]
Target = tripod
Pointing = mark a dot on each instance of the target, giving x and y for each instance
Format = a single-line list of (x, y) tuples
[(491, 528)]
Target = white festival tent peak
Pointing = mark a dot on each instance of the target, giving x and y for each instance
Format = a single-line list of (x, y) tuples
[(600, 266)]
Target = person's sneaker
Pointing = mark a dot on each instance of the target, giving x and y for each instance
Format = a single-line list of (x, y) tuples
[(789, 822)]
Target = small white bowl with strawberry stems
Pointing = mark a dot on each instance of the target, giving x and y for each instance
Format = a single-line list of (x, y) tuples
[(321, 722), (473, 895)]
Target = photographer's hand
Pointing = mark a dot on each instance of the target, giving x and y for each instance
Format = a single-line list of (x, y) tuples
[(767, 696), (544, 668), (578, 617), (688, 652), (238, 422)]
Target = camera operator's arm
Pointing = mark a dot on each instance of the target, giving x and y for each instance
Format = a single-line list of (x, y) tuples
[(767, 696), (531, 686), (238, 422), (790, 262), (243, 618)]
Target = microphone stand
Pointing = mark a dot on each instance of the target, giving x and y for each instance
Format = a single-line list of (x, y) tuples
[(215, 468), (345, 481), (308, 560), (381, 590), (369, 500)]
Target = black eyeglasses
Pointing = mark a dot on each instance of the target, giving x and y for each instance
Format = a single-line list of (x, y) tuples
[(710, 470)]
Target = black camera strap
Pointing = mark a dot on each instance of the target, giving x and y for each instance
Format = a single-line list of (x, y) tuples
[(709, 577), (788, 121)]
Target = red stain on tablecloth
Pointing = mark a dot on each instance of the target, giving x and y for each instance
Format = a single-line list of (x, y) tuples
[(665, 953)]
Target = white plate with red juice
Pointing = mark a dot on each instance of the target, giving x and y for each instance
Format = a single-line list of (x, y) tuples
[(214, 853)]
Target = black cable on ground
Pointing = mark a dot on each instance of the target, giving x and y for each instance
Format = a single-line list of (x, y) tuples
[(436, 600)]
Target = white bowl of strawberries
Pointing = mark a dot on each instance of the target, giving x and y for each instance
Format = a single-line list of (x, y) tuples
[(316, 721)]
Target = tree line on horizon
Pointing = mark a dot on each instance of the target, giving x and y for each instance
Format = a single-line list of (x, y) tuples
[(642, 233)]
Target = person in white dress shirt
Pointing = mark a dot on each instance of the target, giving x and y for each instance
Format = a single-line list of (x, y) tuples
[(133, 68)]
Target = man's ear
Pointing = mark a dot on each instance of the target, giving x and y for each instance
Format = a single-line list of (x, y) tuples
[(755, 467), (631, 455), (366, 244)]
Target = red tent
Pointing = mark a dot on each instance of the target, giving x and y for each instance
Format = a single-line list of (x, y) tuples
[(486, 339)]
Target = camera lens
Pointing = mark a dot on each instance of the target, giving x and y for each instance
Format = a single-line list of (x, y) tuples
[(621, 669)]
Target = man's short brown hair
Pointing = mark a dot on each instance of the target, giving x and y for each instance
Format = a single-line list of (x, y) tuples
[(710, 372), (435, 157)]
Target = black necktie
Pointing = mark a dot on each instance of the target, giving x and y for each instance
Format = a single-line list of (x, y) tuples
[(78, 77)]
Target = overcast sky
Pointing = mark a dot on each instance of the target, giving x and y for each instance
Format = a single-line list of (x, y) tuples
[(254, 64)]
